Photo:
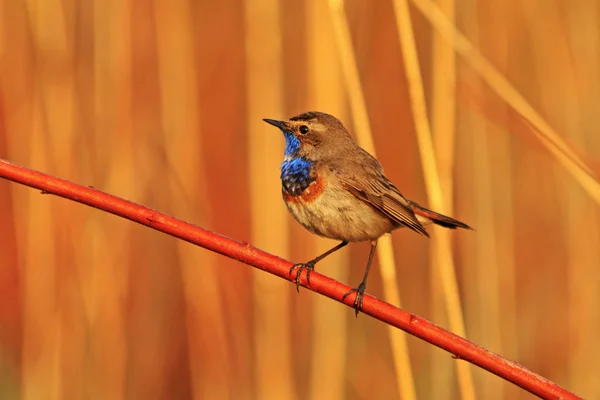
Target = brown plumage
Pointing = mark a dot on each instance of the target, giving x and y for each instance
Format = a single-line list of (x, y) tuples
[(337, 190)]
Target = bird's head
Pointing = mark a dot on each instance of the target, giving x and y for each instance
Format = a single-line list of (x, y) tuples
[(312, 135)]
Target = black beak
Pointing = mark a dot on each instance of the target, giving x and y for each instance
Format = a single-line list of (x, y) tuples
[(280, 124)]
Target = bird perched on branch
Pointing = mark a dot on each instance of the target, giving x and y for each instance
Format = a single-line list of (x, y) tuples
[(337, 190)]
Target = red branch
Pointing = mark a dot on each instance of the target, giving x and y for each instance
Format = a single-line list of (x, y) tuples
[(244, 252)]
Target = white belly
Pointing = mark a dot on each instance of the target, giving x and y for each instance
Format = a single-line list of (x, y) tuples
[(337, 214)]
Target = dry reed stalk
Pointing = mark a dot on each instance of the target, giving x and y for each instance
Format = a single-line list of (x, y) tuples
[(183, 147), (44, 345), (265, 80), (501, 162), (150, 283), (486, 285), (442, 246), (496, 23), (443, 106), (104, 280), (385, 251), (443, 130), (16, 122), (329, 361)]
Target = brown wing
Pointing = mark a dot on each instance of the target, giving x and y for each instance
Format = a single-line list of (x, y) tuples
[(376, 190)]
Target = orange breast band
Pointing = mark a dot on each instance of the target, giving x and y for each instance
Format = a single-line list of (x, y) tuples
[(313, 191)]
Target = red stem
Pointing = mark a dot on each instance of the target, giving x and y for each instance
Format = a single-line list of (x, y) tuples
[(244, 252)]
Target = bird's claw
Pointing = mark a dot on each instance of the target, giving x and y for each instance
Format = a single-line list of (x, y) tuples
[(308, 266), (358, 301)]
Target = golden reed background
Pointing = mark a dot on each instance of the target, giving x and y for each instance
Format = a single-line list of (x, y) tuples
[(161, 102)]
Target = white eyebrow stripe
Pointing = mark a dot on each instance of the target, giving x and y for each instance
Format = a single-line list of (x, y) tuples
[(318, 127)]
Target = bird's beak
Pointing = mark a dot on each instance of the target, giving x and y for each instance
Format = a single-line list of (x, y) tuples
[(280, 124)]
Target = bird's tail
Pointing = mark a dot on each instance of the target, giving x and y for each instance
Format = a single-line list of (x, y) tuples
[(437, 218)]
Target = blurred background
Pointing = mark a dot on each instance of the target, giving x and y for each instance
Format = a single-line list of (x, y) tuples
[(160, 102)]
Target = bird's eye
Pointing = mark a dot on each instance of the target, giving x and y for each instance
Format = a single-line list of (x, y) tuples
[(303, 129)]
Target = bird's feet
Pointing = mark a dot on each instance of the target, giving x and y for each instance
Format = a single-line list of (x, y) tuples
[(308, 266), (358, 301)]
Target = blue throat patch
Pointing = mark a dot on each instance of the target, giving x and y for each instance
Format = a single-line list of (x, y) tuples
[(292, 144), (295, 171)]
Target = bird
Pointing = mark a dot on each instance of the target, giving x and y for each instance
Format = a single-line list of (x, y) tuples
[(337, 190)]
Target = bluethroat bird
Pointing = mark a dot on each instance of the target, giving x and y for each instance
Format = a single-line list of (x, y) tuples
[(337, 190)]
